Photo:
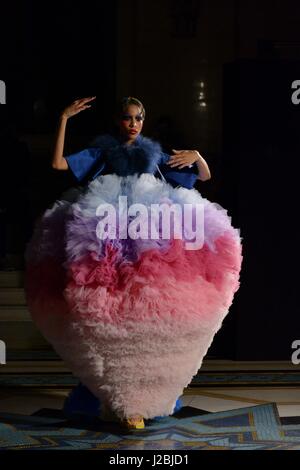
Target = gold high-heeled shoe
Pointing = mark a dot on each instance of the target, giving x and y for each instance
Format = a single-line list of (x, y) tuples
[(134, 422)]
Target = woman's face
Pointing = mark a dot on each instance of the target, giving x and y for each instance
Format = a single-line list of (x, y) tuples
[(131, 122)]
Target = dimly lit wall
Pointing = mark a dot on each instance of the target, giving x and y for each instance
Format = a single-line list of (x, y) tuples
[(165, 49)]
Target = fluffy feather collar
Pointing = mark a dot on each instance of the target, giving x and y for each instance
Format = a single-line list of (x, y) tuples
[(140, 157)]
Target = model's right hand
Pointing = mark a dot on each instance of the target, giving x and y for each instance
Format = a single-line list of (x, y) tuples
[(76, 107)]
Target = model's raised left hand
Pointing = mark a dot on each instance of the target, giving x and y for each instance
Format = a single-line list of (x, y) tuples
[(182, 158)]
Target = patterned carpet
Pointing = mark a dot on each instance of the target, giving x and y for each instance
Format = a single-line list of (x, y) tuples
[(252, 428)]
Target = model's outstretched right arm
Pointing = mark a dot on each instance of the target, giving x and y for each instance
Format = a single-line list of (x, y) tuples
[(58, 160)]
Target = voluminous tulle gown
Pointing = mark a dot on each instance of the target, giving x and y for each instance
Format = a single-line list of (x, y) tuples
[(132, 318)]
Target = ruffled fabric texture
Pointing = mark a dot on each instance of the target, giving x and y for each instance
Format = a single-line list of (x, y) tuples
[(133, 319), (123, 160)]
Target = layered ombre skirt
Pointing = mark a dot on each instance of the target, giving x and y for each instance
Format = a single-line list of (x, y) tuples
[(131, 311)]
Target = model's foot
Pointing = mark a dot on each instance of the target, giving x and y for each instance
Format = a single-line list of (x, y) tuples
[(134, 422)]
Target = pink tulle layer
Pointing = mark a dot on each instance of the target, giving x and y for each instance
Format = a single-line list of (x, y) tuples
[(136, 333)]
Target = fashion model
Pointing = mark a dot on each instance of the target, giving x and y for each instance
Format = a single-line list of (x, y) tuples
[(130, 274)]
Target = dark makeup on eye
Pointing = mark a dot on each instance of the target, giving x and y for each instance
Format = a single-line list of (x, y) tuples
[(127, 117)]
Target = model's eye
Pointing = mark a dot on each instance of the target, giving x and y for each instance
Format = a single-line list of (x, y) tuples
[(139, 118), (126, 117)]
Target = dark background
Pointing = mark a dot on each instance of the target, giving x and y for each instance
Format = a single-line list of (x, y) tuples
[(214, 75)]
